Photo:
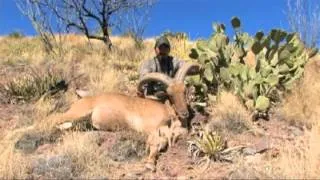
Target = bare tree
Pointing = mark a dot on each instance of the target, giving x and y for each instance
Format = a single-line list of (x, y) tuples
[(134, 21), (86, 15), (39, 17), (304, 18)]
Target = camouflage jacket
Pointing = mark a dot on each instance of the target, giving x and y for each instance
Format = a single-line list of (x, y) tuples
[(167, 66)]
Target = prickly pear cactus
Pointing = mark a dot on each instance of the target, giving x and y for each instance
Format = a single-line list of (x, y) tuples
[(257, 68)]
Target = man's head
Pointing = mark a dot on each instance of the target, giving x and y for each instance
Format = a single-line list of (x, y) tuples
[(162, 47)]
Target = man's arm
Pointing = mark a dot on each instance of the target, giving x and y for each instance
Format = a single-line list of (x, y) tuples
[(145, 68), (177, 64)]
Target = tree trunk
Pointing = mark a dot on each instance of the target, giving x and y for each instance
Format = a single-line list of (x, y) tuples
[(106, 38), (46, 43)]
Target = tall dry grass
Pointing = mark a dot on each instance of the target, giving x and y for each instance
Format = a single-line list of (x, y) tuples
[(88, 159), (297, 159), (302, 106), (181, 47), (13, 165), (301, 159), (229, 115), (25, 50)]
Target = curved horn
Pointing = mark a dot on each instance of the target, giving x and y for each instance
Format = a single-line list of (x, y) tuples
[(185, 69), (159, 77)]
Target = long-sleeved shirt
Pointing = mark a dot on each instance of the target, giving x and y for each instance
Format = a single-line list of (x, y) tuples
[(168, 66)]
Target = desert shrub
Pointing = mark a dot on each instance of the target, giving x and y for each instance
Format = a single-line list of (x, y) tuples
[(32, 85), (16, 34)]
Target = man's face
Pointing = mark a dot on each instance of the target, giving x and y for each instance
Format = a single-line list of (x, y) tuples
[(163, 51)]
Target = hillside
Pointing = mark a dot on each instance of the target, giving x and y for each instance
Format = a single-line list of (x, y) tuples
[(285, 146)]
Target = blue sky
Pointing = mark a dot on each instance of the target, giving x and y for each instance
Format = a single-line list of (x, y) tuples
[(194, 17)]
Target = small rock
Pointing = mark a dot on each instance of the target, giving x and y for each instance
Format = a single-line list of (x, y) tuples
[(58, 161), (100, 178), (249, 151), (262, 145), (65, 126), (275, 153), (190, 167), (254, 159), (150, 167), (131, 176), (57, 167), (29, 143), (126, 150), (182, 177), (295, 131), (199, 117), (83, 93), (257, 132), (43, 148)]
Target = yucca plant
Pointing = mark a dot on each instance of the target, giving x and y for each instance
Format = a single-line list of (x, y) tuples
[(207, 144)]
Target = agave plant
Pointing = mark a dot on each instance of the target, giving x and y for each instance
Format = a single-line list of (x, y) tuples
[(207, 143)]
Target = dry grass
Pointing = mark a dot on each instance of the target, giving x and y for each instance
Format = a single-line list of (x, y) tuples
[(89, 160), (298, 159), (30, 85), (301, 159), (13, 165), (85, 154), (229, 115), (109, 76), (21, 50), (302, 106), (181, 47), (46, 110)]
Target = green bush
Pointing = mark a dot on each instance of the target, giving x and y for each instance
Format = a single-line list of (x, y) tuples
[(16, 34), (175, 35)]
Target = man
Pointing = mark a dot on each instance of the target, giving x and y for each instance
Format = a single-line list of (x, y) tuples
[(163, 63)]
